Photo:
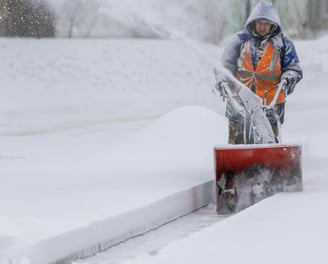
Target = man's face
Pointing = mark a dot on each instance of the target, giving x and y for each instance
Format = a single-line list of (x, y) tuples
[(263, 27)]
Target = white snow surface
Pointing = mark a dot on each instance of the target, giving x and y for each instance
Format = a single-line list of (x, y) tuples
[(96, 130)]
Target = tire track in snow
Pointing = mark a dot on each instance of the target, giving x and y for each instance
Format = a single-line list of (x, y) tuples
[(154, 240)]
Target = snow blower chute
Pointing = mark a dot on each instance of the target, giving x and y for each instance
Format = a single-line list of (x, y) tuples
[(248, 173)]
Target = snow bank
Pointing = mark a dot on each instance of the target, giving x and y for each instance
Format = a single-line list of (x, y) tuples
[(168, 166)]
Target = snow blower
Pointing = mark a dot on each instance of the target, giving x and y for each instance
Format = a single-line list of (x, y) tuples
[(246, 174)]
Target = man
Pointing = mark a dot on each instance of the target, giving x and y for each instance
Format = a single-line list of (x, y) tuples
[(260, 57)]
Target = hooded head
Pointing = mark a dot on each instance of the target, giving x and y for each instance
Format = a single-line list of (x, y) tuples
[(267, 12)]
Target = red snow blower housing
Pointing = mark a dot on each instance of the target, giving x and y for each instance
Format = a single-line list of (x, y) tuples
[(246, 174)]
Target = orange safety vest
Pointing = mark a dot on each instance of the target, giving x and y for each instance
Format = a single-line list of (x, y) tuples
[(266, 77)]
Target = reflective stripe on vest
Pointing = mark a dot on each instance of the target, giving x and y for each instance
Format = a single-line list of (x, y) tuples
[(266, 77)]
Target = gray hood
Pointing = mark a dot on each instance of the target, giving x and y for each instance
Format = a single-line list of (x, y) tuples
[(264, 10)]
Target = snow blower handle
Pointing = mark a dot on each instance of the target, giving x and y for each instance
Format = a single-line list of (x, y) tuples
[(281, 88), (223, 76), (221, 85), (225, 84), (228, 91)]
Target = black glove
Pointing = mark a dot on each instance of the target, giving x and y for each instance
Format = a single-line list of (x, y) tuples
[(290, 78), (219, 86)]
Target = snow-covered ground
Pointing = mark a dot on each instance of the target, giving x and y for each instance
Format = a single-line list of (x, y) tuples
[(96, 130)]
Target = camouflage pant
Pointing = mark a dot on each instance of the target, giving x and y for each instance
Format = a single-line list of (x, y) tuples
[(237, 134)]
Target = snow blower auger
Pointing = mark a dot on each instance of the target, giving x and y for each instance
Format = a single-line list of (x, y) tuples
[(246, 174)]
